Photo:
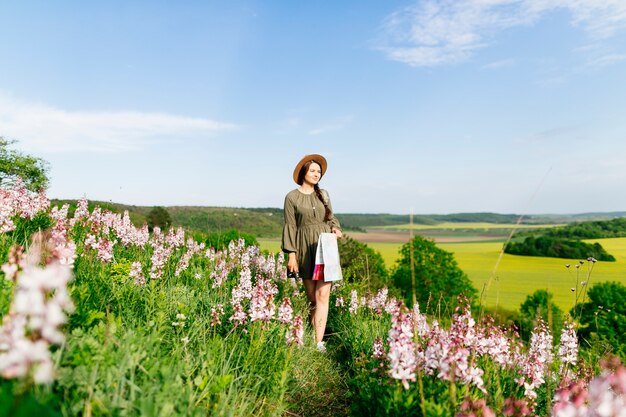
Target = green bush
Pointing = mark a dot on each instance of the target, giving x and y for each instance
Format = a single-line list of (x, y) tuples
[(360, 263), (220, 241), (539, 306), (603, 317), (558, 248), (438, 279)]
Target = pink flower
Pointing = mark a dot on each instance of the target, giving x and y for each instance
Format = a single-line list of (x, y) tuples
[(262, 307), (568, 346), (37, 312), (82, 211), (339, 302), (285, 311), (354, 302), (239, 316), (377, 303), (402, 359), (378, 351), (295, 336), (105, 250), (216, 315), (18, 201), (137, 273)]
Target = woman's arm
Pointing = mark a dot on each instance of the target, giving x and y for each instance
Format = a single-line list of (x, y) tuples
[(335, 227), (290, 231)]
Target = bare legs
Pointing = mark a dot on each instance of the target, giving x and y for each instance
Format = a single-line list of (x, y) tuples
[(318, 293)]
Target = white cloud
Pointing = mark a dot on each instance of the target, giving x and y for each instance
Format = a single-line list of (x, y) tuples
[(45, 128), (505, 63), (604, 60), (331, 127), (439, 32)]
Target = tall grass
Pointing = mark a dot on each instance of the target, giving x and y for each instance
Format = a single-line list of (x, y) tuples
[(162, 348), (165, 327)]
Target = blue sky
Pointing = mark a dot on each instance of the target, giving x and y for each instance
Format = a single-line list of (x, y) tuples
[(509, 106)]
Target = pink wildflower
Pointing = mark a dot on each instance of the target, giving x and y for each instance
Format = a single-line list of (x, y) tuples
[(82, 211), (377, 303), (516, 408), (296, 333), (216, 315), (402, 359), (285, 311), (568, 346), (37, 312), (378, 351), (137, 273), (354, 302), (262, 307), (239, 316), (475, 408), (339, 302), (420, 323), (219, 274), (105, 249)]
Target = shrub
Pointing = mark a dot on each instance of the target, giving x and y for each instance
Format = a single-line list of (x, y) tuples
[(539, 307), (558, 248), (360, 263), (158, 217), (604, 315), (438, 279)]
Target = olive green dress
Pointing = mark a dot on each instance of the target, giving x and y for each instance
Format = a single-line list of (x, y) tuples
[(304, 221)]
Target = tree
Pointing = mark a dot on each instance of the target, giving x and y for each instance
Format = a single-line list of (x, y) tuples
[(160, 217), (539, 305), (221, 240), (13, 164), (438, 279), (360, 263), (604, 315)]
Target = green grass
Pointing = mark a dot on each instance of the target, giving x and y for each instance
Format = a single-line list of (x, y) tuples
[(270, 245), (516, 276)]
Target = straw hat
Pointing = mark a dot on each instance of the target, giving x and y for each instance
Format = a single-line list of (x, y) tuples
[(313, 157)]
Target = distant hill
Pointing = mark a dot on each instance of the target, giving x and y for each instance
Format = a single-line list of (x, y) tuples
[(597, 229), (267, 222), (260, 222)]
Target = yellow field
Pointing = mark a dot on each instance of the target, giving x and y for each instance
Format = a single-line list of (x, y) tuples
[(464, 226), (516, 276)]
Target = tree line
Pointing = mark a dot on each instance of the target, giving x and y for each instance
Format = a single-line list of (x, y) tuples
[(566, 241)]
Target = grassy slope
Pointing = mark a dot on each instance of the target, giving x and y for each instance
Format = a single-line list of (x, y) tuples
[(515, 277)]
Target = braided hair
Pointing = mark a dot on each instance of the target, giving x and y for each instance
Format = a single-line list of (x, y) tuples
[(318, 192)]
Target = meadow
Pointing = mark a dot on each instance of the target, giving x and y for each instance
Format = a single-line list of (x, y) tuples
[(508, 280), (100, 317)]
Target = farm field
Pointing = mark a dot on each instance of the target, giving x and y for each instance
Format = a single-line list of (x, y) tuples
[(516, 276), (464, 226)]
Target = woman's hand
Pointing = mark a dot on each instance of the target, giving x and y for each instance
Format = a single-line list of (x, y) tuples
[(292, 262), (337, 232)]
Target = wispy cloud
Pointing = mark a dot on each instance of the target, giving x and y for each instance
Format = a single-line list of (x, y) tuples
[(340, 124), (49, 129), (505, 63), (439, 32)]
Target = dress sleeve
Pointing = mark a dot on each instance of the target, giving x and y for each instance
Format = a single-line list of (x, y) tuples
[(333, 222), (290, 227)]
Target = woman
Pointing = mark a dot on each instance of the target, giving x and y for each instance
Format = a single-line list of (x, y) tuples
[(307, 214)]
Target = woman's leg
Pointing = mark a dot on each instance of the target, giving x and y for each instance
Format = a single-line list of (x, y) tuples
[(318, 293), (320, 314), (310, 286)]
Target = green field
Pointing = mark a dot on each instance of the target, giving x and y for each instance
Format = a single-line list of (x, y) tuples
[(516, 276), (464, 225)]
